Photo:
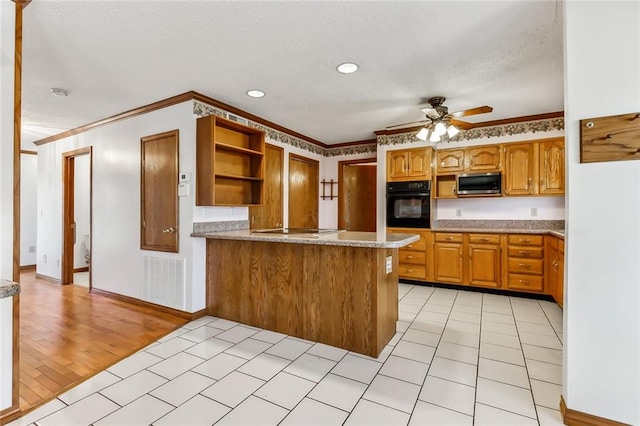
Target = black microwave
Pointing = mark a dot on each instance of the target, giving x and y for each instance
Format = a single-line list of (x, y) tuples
[(480, 184)]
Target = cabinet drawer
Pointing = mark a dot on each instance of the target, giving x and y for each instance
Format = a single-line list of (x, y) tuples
[(421, 244), (525, 282), (412, 257), (484, 238), (525, 240), (447, 237), (410, 271), (525, 266), (521, 251)]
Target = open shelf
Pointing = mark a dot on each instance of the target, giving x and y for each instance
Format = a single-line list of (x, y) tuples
[(445, 186), (229, 163)]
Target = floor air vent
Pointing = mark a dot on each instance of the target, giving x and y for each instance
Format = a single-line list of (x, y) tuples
[(164, 281)]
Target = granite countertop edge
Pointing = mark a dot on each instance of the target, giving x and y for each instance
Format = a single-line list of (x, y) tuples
[(8, 288), (356, 239), (555, 232)]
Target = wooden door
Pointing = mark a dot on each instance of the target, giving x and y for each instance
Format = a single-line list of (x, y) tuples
[(484, 265), (159, 192), (450, 161), (269, 214), (448, 262), (357, 195), (484, 158), (519, 161), (419, 164), (303, 192), (397, 165), (552, 167)]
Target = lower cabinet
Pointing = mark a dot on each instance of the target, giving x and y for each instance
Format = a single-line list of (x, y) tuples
[(414, 260), (554, 248), (525, 256), (448, 262)]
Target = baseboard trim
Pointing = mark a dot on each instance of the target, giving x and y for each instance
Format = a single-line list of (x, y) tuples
[(48, 278), (577, 418), (181, 314), (25, 268), (9, 414), (84, 269)]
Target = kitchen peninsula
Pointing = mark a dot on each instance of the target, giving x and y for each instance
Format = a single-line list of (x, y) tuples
[(338, 288)]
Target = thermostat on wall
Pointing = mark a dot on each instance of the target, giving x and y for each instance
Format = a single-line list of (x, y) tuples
[(184, 177)]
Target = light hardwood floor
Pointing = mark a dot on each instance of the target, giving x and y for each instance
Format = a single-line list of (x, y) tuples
[(68, 335)]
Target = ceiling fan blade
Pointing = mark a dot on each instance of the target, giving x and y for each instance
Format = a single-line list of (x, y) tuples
[(431, 112), (473, 111), (461, 125), (412, 123)]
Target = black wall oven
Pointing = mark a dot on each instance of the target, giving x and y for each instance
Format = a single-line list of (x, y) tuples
[(409, 204)]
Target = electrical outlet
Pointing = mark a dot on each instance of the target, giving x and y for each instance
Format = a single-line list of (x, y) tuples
[(534, 212), (44, 258), (458, 212), (32, 249)]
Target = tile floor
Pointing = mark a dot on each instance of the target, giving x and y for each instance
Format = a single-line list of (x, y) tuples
[(459, 358)]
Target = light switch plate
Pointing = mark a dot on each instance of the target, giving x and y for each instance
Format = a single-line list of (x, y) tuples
[(183, 190), (184, 177), (389, 264)]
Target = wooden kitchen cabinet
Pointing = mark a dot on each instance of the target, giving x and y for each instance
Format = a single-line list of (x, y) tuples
[(409, 164), (450, 161), (519, 169), (229, 163), (551, 167), (414, 260), (486, 158), (555, 268), (447, 252), (524, 257), (484, 262)]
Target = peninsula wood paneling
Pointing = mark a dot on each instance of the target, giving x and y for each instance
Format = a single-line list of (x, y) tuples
[(337, 295)]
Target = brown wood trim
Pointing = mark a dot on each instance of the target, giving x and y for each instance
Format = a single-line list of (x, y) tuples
[(354, 143), (24, 268), (173, 101), (83, 269), (23, 3), (68, 190), (341, 199), (577, 418), (48, 278), (17, 129), (304, 159), (9, 414), (159, 308), (512, 120), (26, 151)]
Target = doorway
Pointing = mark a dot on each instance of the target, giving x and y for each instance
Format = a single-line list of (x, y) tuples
[(304, 192), (357, 191), (76, 219)]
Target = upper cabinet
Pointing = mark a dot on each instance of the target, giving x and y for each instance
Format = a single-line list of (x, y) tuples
[(229, 163), (535, 168), (476, 159), (409, 164)]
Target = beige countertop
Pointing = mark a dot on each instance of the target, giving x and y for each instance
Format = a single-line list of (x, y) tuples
[(557, 233), (338, 238)]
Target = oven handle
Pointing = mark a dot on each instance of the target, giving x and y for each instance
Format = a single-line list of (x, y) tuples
[(408, 194)]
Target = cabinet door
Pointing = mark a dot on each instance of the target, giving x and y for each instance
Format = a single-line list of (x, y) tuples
[(420, 164), (484, 265), (484, 158), (450, 161), (448, 262), (519, 169), (552, 167), (396, 165), (560, 279)]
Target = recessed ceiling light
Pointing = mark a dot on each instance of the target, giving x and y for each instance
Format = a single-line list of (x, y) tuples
[(347, 68), (61, 93), (255, 93)]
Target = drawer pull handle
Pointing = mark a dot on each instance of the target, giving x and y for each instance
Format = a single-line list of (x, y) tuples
[(524, 240), (524, 265), (409, 257), (524, 251), (410, 246), (525, 281), (484, 239), (449, 238), (409, 270)]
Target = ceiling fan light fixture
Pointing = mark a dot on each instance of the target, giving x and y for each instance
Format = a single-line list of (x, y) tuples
[(452, 131), (423, 134), (435, 138), (440, 129)]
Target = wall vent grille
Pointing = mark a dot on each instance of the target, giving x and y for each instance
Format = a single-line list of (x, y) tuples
[(164, 281), (238, 119)]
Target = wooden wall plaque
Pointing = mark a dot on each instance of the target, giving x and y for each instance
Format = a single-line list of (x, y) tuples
[(613, 138)]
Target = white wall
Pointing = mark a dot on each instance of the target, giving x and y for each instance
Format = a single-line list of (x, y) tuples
[(7, 32), (117, 258), (82, 209), (28, 208), (602, 284)]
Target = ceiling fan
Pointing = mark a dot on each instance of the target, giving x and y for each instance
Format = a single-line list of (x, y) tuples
[(440, 122)]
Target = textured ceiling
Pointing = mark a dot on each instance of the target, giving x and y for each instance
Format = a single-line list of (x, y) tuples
[(117, 55)]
